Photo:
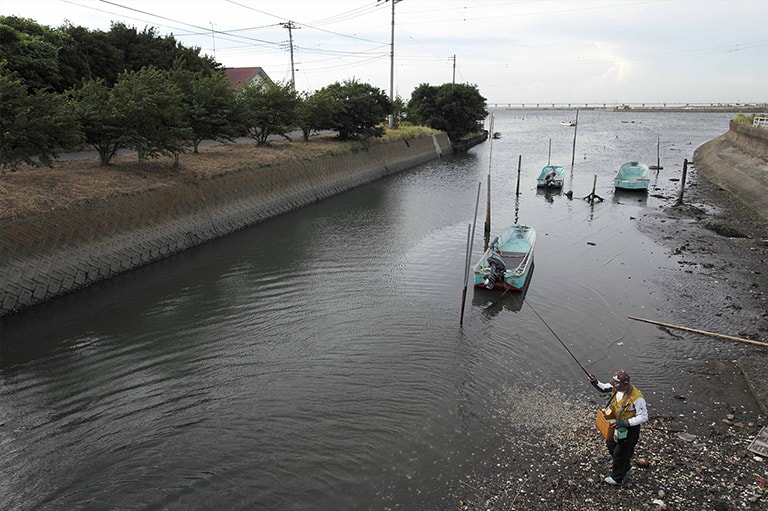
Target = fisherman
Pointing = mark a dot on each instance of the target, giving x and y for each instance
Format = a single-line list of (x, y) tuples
[(630, 410)]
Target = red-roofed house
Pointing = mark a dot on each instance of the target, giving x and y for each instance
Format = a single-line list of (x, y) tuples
[(239, 77)]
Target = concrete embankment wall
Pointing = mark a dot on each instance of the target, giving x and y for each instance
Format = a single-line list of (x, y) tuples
[(51, 254), (737, 161)]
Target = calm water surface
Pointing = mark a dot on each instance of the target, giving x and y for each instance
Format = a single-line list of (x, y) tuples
[(316, 361)]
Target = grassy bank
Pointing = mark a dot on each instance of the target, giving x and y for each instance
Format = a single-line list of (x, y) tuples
[(70, 182)]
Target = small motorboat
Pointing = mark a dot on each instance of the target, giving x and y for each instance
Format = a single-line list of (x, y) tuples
[(551, 176), (632, 175), (508, 261)]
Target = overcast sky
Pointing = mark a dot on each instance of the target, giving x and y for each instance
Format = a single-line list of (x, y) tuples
[(516, 51)]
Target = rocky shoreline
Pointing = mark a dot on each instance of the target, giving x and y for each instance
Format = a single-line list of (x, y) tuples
[(696, 442)]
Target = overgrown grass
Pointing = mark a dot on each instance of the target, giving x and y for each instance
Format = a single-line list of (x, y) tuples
[(747, 119), (407, 131)]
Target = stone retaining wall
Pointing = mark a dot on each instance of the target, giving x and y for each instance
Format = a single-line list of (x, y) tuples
[(48, 255)]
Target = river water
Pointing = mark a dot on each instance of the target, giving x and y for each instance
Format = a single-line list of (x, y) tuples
[(317, 361)]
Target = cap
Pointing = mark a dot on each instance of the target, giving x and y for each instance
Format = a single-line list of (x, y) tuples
[(620, 378)]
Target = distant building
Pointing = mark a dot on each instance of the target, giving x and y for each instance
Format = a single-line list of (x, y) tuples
[(239, 77)]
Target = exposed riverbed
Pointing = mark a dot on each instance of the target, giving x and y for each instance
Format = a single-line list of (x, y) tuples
[(316, 361)]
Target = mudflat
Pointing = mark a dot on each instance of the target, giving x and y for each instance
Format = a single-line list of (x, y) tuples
[(693, 452)]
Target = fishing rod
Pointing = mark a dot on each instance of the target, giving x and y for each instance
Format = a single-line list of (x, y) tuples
[(558, 338)]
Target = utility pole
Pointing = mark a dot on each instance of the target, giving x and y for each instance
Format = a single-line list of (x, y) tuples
[(290, 25), (454, 69), (392, 61), (213, 38)]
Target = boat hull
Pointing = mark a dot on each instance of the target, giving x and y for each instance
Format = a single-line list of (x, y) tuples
[(514, 246), (632, 176)]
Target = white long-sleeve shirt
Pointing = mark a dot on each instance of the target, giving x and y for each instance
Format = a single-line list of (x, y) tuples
[(638, 405)]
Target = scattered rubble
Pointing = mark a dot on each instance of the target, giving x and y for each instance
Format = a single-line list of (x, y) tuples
[(557, 460)]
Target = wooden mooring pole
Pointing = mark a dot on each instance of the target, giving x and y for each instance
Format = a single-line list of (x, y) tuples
[(682, 183), (519, 168), (575, 127), (592, 196)]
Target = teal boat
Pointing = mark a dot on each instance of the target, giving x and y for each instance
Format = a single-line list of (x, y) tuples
[(508, 261), (632, 176), (551, 176)]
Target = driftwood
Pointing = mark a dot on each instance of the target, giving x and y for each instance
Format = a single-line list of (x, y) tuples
[(704, 332)]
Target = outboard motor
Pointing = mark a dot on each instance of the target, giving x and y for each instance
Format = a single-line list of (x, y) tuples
[(550, 178), (497, 270)]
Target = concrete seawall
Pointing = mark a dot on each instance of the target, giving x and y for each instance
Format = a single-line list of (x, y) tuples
[(48, 255), (737, 162)]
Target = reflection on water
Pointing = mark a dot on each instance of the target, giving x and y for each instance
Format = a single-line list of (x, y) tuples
[(549, 194), (637, 198), (316, 361), (493, 301)]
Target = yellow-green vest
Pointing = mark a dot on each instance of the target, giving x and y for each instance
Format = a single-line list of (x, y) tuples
[(625, 403)]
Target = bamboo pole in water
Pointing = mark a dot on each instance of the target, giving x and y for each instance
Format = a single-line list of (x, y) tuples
[(549, 154), (471, 237), (519, 168), (575, 127), (466, 274), (488, 200), (696, 331)]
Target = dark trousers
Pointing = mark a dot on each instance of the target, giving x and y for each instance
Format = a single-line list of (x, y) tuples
[(622, 452)]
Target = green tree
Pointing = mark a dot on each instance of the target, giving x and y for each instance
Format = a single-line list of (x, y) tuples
[(355, 109), (65, 57), (268, 110), (88, 55), (31, 51), (457, 109), (312, 113), (148, 49), (152, 113), (210, 106), (399, 108), (100, 123), (35, 127)]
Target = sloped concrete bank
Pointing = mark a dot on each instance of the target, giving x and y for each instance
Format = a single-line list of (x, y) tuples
[(737, 161), (48, 255)]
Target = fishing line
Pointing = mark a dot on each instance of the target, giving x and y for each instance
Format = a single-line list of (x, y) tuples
[(558, 338)]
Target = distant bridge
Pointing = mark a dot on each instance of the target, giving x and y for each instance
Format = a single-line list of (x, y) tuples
[(752, 107)]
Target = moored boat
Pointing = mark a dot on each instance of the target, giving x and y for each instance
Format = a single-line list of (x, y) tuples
[(508, 261), (551, 176), (632, 175)]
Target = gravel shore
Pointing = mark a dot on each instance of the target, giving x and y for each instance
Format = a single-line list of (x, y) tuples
[(696, 443)]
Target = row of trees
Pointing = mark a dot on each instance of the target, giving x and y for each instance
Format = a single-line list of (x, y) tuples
[(165, 107)]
